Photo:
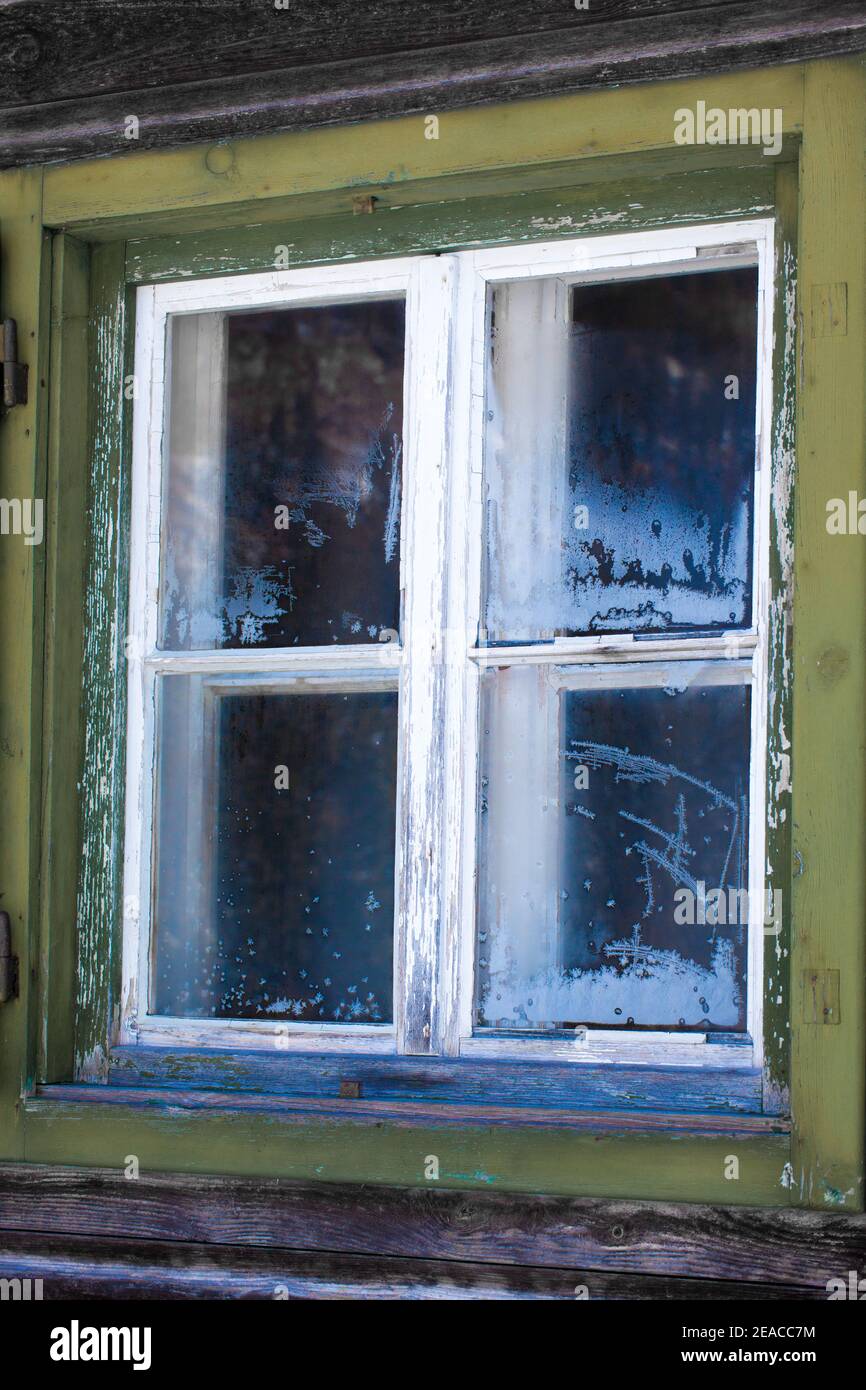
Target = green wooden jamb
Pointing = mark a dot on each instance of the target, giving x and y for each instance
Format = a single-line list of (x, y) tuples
[(99, 914), (777, 939), (829, 730), (650, 1166), (23, 263), (105, 197), (66, 502)]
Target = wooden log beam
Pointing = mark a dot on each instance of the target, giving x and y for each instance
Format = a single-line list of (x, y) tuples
[(70, 76), (75, 1267), (745, 1246)]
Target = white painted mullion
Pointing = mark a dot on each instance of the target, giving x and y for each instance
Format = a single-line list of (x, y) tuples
[(422, 797), (460, 753)]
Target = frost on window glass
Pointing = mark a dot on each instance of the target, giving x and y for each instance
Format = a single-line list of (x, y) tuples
[(619, 456), (275, 824), (614, 854), (282, 500)]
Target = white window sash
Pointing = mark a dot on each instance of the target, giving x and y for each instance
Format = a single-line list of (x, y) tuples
[(438, 663), (414, 665), (635, 255)]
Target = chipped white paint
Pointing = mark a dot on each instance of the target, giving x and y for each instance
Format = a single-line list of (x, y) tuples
[(363, 667), (438, 664), (613, 256)]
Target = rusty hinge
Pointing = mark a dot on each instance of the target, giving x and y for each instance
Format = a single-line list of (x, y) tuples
[(12, 372), (8, 962)]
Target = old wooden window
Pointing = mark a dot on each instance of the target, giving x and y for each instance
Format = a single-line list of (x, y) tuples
[(447, 651)]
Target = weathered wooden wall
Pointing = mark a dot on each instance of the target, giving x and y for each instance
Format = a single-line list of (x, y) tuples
[(160, 1236), (217, 69)]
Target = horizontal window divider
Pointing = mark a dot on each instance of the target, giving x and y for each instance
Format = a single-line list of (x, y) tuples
[(729, 647), (366, 657), (548, 1081), (673, 1050), (279, 1035)]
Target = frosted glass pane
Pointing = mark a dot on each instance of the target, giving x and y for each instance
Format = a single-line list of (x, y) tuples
[(619, 456), (614, 855), (282, 498), (275, 831)]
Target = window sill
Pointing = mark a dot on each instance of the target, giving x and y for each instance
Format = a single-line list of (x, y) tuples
[(649, 1155), (549, 1085), (427, 1114)]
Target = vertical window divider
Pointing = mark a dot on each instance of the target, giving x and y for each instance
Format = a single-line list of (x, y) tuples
[(424, 803)]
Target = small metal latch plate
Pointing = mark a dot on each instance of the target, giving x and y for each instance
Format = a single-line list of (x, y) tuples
[(8, 962), (13, 372), (350, 1090)]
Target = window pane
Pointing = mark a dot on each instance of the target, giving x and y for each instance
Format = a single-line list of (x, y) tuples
[(282, 500), (610, 820), (275, 834), (619, 456)]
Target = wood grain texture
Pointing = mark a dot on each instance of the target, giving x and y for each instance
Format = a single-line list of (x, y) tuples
[(428, 58), (637, 1239), (93, 1268), (416, 1114), (550, 1085), (58, 51)]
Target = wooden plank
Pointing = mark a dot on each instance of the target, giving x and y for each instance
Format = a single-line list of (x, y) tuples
[(392, 153), (23, 296), (553, 1085), (87, 1268), (167, 1133), (781, 1248), (415, 1114), (829, 780), (99, 46), (66, 502), (587, 50)]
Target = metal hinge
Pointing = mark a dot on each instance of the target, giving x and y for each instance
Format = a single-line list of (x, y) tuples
[(8, 962), (12, 372)]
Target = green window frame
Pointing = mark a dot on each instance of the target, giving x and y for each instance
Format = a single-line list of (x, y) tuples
[(76, 241)]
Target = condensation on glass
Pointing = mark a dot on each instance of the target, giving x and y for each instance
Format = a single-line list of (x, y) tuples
[(620, 455), (282, 495), (275, 801), (275, 849), (619, 468), (614, 854)]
